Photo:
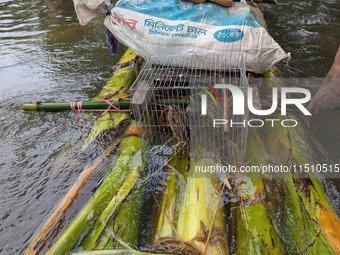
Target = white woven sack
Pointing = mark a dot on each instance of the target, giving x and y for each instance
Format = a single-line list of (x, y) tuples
[(175, 27)]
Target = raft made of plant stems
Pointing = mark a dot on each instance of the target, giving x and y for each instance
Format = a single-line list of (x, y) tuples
[(116, 87), (189, 217), (255, 205)]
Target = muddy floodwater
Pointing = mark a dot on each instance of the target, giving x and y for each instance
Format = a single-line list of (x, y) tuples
[(46, 55)]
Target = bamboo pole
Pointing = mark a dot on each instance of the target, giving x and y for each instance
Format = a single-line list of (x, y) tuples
[(66, 106), (94, 105)]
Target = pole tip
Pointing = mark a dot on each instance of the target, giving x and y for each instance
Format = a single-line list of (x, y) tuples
[(29, 107)]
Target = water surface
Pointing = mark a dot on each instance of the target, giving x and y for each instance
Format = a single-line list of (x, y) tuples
[(45, 55)]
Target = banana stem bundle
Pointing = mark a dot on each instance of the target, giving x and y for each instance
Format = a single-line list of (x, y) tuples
[(308, 222), (252, 225), (287, 214), (98, 236), (165, 212), (202, 219), (128, 164)]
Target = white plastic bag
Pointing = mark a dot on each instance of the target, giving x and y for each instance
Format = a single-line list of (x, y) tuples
[(86, 10)]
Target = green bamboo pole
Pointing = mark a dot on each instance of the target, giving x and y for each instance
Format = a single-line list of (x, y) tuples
[(94, 105), (65, 106)]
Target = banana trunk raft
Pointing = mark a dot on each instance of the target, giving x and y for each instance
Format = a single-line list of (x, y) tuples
[(161, 207)]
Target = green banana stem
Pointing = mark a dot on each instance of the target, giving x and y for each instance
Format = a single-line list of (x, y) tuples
[(93, 238), (202, 221), (251, 221), (115, 88), (308, 222), (165, 213), (126, 223), (128, 151)]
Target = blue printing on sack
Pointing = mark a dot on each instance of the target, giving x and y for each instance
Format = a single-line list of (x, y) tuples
[(229, 35), (204, 13)]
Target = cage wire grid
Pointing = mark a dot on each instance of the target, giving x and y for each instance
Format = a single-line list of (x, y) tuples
[(167, 105)]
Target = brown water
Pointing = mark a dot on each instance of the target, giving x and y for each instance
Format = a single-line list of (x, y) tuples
[(45, 55)]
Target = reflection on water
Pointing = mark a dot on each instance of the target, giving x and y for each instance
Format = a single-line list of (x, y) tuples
[(45, 55)]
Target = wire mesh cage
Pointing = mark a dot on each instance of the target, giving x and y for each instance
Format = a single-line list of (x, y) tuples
[(183, 102)]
